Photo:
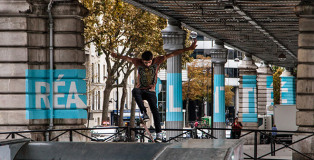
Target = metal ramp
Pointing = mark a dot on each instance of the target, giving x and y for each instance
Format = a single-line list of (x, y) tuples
[(191, 150), (9, 148)]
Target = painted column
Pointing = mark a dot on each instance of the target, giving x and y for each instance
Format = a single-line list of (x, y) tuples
[(247, 95), (265, 89), (287, 88), (174, 38), (219, 58), (305, 79)]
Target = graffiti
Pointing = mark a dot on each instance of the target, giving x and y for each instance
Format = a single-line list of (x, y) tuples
[(219, 99), (174, 97), (287, 91), (269, 90), (249, 108), (69, 89)]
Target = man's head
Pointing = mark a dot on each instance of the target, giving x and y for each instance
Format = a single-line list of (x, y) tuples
[(147, 58), (236, 119)]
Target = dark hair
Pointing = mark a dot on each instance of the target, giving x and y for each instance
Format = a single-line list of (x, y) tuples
[(147, 55)]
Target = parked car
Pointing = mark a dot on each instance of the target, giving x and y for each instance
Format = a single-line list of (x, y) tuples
[(106, 134)]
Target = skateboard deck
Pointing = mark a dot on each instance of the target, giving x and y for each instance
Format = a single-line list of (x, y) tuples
[(146, 129)]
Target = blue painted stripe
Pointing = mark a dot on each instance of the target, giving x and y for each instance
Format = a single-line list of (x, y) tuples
[(249, 119), (58, 114), (157, 89), (288, 90), (249, 115), (67, 73), (249, 84), (249, 77), (219, 94), (269, 82), (174, 95)]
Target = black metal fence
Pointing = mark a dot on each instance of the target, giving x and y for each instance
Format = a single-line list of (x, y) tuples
[(123, 134)]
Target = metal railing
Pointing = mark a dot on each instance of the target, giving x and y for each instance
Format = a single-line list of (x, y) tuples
[(125, 134)]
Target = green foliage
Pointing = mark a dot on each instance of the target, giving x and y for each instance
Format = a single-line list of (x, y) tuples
[(229, 96), (276, 84), (113, 23), (199, 82)]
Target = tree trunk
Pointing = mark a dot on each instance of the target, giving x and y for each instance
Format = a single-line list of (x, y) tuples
[(133, 107), (124, 93), (106, 102)]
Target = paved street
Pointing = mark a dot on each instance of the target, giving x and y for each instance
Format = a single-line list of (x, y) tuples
[(265, 148)]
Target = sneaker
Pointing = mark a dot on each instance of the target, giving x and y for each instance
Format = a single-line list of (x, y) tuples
[(158, 137), (145, 116)]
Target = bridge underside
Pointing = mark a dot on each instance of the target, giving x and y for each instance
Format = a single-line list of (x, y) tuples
[(264, 28)]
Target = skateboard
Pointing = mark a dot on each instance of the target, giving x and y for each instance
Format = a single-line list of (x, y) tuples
[(146, 129)]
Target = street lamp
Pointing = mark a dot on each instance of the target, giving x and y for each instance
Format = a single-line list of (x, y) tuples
[(196, 111), (282, 57), (117, 108), (183, 110)]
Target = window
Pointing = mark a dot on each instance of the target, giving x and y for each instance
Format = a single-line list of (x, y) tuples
[(92, 72), (93, 106), (98, 100), (232, 72), (197, 52), (239, 55), (200, 38), (162, 96), (99, 73), (230, 54), (104, 71)]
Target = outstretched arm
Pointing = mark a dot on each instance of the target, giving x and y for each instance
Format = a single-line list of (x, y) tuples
[(180, 51), (115, 55)]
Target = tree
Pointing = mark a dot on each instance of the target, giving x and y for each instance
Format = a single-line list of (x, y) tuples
[(199, 83), (276, 83), (229, 96), (115, 25)]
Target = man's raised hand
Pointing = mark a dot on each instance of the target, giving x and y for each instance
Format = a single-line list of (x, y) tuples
[(193, 45)]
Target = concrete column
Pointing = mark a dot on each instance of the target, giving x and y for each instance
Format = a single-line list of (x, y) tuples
[(247, 93), (24, 57), (287, 88), (174, 38), (265, 89), (305, 81), (219, 58)]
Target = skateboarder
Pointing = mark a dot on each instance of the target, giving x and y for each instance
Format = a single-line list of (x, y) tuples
[(147, 68)]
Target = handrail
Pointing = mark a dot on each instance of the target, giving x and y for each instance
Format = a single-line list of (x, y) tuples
[(191, 131)]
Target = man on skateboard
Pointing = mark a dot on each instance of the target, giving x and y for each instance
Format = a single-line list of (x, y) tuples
[(147, 68)]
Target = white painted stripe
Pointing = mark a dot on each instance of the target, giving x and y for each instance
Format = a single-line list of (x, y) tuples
[(217, 100), (171, 103)]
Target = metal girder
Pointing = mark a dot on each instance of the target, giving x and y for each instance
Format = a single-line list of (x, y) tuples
[(268, 23)]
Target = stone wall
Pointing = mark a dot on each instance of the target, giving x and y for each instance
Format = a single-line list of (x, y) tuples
[(24, 45)]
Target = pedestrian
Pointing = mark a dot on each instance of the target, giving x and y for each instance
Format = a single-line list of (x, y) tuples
[(273, 139), (195, 123), (274, 130), (195, 129), (236, 129), (147, 68)]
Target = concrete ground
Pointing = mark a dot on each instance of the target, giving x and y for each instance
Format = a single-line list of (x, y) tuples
[(262, 149)]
